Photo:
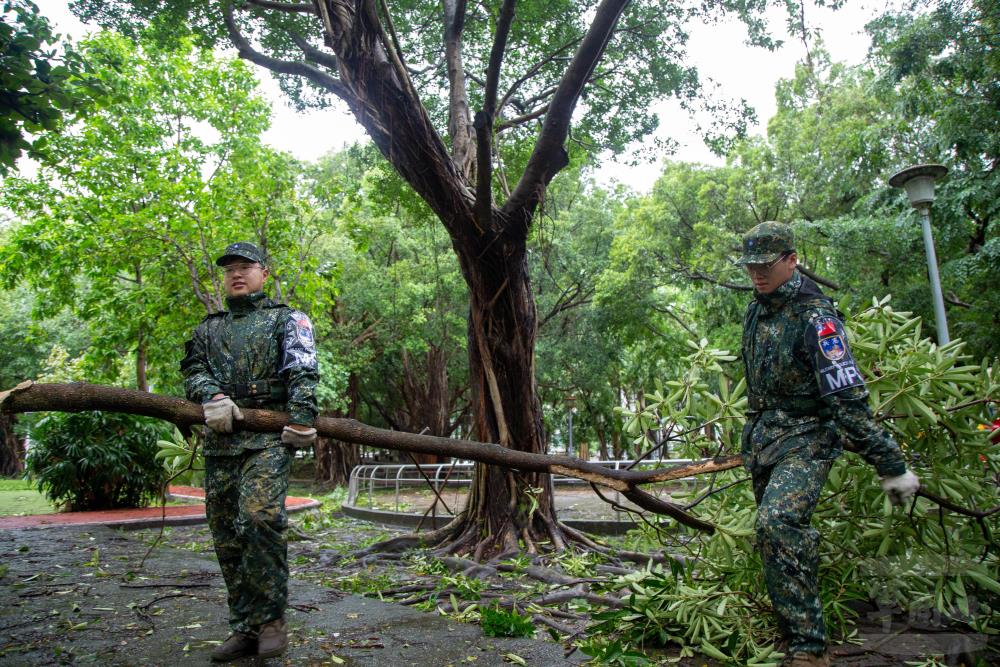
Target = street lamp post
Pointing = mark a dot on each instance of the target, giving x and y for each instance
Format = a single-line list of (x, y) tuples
[(570, 404), (918, 181)]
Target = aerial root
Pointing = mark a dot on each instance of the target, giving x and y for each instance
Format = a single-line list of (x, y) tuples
[(460, 548)]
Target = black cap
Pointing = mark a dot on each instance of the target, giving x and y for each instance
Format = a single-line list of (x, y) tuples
[(241, 250)]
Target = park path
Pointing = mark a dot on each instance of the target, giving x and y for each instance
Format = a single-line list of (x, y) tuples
[(147, 517)]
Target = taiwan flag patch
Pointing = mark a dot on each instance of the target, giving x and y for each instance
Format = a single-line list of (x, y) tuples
[(833, 347), (826, 327), (303, 329)]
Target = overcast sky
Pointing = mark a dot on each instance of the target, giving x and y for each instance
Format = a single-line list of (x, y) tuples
[(718, 51)]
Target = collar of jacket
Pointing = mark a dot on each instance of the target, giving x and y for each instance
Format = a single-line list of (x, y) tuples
[(779, 297), (242, 305)]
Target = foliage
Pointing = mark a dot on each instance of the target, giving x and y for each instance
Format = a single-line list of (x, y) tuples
[(123, 221), (619, 105), (499, 622), (365, 583), (397, 323), (612, 653), (96, 460), (184, 463), (27, 339), (38, 87), (917, 560)]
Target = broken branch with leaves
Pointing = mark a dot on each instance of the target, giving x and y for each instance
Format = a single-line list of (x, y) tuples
[(77, 396)]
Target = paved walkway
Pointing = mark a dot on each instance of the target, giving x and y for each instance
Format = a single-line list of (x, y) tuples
[(177, 515), (77, 595)]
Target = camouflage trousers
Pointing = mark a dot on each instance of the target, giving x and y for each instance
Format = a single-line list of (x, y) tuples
[(786, 494), (245, 505)]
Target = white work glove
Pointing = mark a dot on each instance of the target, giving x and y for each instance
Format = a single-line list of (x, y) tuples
[(295, 438), (220, 413), (901, 487)]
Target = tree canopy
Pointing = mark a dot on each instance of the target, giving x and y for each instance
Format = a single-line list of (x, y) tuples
[(42, 82)]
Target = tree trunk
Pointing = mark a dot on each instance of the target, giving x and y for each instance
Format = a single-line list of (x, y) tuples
[(141, 383), (335, 459), (427, 397), (506, 509), (11, 449), (616, 445)]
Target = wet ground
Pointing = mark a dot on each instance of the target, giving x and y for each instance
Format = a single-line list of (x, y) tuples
[(77, 596)]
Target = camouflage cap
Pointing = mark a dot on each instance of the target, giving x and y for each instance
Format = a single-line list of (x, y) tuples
[(241, 250), (766, 242)]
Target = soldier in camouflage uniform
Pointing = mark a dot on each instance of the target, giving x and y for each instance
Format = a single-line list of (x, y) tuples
[(257, 354), (804, 389)]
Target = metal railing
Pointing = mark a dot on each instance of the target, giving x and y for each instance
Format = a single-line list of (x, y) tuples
[(366, 479)]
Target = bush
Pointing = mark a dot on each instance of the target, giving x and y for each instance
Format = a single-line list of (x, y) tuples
[(97, 460)]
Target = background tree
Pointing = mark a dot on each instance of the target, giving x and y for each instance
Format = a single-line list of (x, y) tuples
[(517, 64), (39, 87), (125, 216), (26, 340)]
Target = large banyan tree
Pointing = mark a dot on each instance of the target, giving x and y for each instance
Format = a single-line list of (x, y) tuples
[(475, 105)]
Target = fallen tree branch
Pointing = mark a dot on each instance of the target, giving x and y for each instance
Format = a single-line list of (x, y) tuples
[(77, 396)]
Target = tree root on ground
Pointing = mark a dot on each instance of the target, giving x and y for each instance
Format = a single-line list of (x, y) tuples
[(554, 599)]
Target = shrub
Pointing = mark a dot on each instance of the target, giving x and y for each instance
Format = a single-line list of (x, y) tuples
[(97, 460), (497, 622)]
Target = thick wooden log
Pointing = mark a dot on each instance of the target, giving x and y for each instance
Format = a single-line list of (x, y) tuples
[(77, 396)]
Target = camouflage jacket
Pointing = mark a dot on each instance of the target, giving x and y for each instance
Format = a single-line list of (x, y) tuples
[(804, 388), (262, 355)]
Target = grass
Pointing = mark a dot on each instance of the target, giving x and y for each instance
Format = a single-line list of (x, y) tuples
[(20, 497)]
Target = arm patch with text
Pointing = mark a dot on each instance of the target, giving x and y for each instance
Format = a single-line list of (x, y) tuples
[(300, 345), (835, 369)]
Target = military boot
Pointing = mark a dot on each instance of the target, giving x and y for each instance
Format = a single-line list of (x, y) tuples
[(803, 659), (237, 646), (273, 638)]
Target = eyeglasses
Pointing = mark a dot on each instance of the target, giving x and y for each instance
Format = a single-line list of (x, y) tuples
[(242, 269), (764, 269)]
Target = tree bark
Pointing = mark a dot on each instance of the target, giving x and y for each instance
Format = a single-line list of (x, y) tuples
[(141, 383), (511, 506), (140, 363), (429, 399), (77, 396), (335, 459), (11, 450)]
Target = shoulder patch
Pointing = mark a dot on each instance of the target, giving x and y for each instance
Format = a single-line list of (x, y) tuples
[(303, 327), (831, 342), (832, 359), (300, 343)]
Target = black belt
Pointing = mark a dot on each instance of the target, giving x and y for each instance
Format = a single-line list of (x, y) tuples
[(271, 389), (796, 406)]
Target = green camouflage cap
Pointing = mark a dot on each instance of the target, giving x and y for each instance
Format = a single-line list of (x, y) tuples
[(241, 250), (766, 242)]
